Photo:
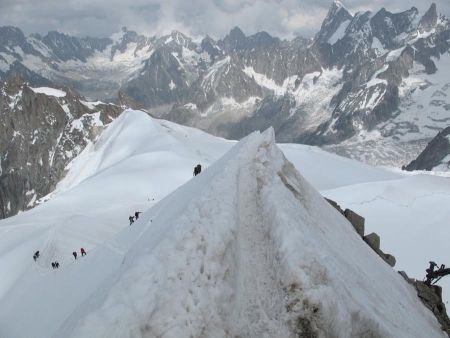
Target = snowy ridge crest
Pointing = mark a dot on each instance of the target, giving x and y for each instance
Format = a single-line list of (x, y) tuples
[(248, 248)]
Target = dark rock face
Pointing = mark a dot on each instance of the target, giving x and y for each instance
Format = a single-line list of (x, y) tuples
[(34, 79), (11, 37), (431, 297), (429, 19), (373, 240), (386, 25), (337, 15), (356, 220), (66, 47), (434, 153), (161, 81), (39, 135)]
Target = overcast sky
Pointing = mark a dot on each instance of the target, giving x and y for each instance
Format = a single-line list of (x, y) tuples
[(284, 18)]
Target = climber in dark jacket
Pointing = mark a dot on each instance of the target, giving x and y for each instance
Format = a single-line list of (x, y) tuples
[(74, 254), (36, 255), (83, 253), (131, 218), (197, 169), (136, 215)]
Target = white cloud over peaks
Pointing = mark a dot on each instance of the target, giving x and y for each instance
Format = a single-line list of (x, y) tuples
[(283, 18)]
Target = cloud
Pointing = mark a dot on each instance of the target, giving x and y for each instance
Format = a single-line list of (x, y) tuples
[(284, 18)]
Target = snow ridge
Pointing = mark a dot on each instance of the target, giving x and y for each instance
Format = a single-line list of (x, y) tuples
[(265, 259)]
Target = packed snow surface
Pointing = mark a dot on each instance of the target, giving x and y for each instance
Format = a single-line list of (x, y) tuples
[(49, 91), (247, 248)]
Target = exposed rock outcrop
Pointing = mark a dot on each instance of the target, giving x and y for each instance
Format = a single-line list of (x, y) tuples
[(435, 155), (431, 296), (41, 131), (372, 239)]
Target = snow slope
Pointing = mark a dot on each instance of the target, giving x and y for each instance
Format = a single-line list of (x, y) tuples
[(191, 249), (263, 260), (136, 162)]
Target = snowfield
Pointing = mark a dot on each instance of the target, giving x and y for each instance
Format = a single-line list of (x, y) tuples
[(248, 248)]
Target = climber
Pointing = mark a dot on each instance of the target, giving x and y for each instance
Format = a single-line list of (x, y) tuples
[(74, 254), (53, 265), (83, 253), (57, 265), (197, 169), (131, 218), (136, 214), (36, 255), (433, 276)]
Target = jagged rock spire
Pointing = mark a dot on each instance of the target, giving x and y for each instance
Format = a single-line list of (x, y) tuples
[(429, 19), (337, 14)]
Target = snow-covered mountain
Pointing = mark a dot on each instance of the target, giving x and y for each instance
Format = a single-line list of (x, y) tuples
[(370, 86), (247, 248), (41, 130)]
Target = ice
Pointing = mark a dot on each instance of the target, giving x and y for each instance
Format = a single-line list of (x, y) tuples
[(264, 81), (49, 91)]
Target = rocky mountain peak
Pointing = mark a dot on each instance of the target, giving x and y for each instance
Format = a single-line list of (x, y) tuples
[(64, 47), (436, 155), (180, 38), (429, 19), (262, 40), (128, 37), (235, 40), (337, 15), (388, 27), (11, 36), (210, 46)]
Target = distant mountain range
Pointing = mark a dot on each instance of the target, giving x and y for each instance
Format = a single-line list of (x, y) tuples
[(370, 86), (367, 79)]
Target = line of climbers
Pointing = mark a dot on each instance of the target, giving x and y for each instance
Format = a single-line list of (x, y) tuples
[(55, 264), (135, 217), (83, 253), (132, 219)]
